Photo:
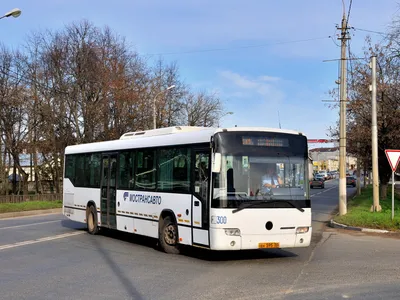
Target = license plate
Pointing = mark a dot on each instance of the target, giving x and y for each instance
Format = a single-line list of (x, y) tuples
[(268, 245)]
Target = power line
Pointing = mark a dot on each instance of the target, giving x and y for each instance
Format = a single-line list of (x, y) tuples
[(242, 47), (371, 31), (348, 13), (350, 61)]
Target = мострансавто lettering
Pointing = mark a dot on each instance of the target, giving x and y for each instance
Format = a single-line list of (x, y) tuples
[(140, 198)]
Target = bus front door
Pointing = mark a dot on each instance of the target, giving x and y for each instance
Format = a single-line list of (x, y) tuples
[(108, 191), (200, 199)]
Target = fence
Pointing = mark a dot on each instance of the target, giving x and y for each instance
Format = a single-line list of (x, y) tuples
[(26, 198)]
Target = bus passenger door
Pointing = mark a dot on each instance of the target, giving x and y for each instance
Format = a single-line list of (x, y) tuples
[(200, 200), (108, 191)]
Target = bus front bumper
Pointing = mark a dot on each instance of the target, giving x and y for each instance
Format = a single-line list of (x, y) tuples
[(220, 240)]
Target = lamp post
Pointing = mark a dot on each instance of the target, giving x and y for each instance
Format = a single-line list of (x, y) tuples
[(226, 114), (16, 12), (154, 105)]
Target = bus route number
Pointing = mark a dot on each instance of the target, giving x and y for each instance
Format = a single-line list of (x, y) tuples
[(219, 219)]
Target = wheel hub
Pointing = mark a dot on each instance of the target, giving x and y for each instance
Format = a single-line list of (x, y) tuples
[(170, 235)]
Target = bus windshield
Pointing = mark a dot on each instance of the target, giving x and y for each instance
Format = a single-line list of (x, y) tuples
[(260, 173)]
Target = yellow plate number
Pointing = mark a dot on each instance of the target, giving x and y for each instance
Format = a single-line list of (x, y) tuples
[(268, 245)]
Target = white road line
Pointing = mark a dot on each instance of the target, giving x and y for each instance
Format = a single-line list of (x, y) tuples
[(31, 224), (45, 239), (331, 188)]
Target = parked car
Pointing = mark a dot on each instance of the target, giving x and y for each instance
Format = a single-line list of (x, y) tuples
[(318, 181), (351, 180), (324, 174)]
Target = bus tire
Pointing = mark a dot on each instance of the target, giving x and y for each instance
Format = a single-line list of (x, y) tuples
[(91, 220), (168, 237)]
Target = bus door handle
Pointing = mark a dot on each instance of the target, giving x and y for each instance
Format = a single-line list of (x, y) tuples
[(196, 203)]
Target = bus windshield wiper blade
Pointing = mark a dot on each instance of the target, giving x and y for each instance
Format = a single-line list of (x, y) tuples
[(254, 203), (249, 204)]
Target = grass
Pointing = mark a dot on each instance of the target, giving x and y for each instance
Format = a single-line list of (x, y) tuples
[(359, 215), (31, 205)]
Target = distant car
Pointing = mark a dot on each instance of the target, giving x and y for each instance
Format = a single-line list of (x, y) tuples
[(318, 181), (324, 174), (351, 180)]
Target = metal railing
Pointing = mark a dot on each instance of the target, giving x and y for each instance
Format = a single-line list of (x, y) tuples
[(27, 198)]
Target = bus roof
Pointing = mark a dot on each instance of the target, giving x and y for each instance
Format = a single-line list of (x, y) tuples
[(175, 136)]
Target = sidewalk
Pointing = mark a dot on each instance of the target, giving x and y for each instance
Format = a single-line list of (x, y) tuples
[(30, 213)]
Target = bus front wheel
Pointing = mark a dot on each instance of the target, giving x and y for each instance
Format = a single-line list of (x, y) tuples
[(168, 236), (91, 220)]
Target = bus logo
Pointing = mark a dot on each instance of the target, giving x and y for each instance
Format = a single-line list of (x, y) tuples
[(140, 198), (126, 196)]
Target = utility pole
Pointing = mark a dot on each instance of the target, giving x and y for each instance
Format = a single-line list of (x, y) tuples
[(374, 129), (343, 100), (358, 170)]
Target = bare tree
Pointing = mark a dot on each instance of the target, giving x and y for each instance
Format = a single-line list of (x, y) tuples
[(359, 108), (201, 109)]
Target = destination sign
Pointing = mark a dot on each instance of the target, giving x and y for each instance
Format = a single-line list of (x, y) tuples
[(264, 141)]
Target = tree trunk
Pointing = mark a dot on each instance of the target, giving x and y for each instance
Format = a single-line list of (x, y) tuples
[(383, 191), (57, 178), (2, 167), (38, 178), (25, 186), (14, 179), (365, 174)]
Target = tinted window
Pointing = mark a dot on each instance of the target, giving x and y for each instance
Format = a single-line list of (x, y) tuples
[(94, 169), (145, 176), (126, 167), (174, 170), (70, 168), (80, 170)]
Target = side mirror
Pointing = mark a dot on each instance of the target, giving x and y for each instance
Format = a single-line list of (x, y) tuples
[(216, 162)]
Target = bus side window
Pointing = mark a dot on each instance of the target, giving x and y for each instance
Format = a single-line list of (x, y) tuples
[(201, 175)]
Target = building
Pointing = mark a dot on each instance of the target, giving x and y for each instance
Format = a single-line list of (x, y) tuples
[(328, 159)]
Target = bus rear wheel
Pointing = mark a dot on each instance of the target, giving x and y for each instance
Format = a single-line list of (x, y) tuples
[(91, 220), (168, 236)]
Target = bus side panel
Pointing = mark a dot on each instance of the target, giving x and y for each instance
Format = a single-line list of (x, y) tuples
[(126, 224), (75, 200), (145, 209), (82, 198), (68, 199)]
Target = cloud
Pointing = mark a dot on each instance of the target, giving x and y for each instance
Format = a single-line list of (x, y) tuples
[(256, 101), (256, 87), (269, 78), (239, 80)]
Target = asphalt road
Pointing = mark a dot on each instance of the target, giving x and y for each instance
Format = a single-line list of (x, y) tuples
[(49, 257)]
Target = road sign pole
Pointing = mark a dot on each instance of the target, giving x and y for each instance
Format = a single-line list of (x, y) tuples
[(393, 157), (392, 195)]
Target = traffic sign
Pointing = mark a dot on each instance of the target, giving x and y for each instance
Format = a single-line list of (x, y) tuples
[(393, 157)]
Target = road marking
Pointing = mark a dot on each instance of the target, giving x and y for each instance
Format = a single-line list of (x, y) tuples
[(331, 188), (45, 239), (31, 224)]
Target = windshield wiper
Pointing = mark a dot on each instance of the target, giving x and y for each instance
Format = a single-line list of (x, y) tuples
[(254, 203)]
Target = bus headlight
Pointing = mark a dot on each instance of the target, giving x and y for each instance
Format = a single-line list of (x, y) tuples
[(302, 229), (232, 231)]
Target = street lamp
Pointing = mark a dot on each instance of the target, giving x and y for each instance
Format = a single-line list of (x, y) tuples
[(226, 114), (16, 12), (154, 104)]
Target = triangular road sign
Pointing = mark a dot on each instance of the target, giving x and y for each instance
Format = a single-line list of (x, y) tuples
[(394, 158)]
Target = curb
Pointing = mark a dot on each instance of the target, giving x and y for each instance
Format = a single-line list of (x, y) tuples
[(334, 224), (30, 213)]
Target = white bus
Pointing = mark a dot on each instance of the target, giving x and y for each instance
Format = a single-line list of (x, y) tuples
[(204, 187)]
